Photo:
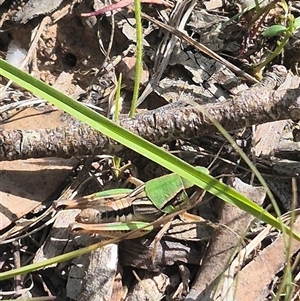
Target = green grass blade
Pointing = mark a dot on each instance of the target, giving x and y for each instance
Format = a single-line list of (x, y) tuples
[(139, 145), (139, 56)]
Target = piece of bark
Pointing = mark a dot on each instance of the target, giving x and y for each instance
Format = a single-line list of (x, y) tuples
[(224, 243), (138, 252), (253, 281), (288, 149), (99, 277), (256, 105), (59, 240), (276, 139), (286, 167), (34, 8), (149, 287), (267, 137), (281, 187)]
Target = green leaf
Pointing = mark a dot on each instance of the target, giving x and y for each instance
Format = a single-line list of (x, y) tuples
[(274, 30), (297, 23), (163, 189)]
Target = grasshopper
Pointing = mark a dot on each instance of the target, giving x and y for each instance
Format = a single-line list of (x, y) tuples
[(111, 213)]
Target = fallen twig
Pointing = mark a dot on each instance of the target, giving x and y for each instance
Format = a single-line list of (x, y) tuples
[(258, 104)]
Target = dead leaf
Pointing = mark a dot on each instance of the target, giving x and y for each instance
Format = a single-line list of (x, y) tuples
[(25, 184), (127, 68)]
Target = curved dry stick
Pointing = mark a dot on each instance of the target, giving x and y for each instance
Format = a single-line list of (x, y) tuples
[(258, 104)]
